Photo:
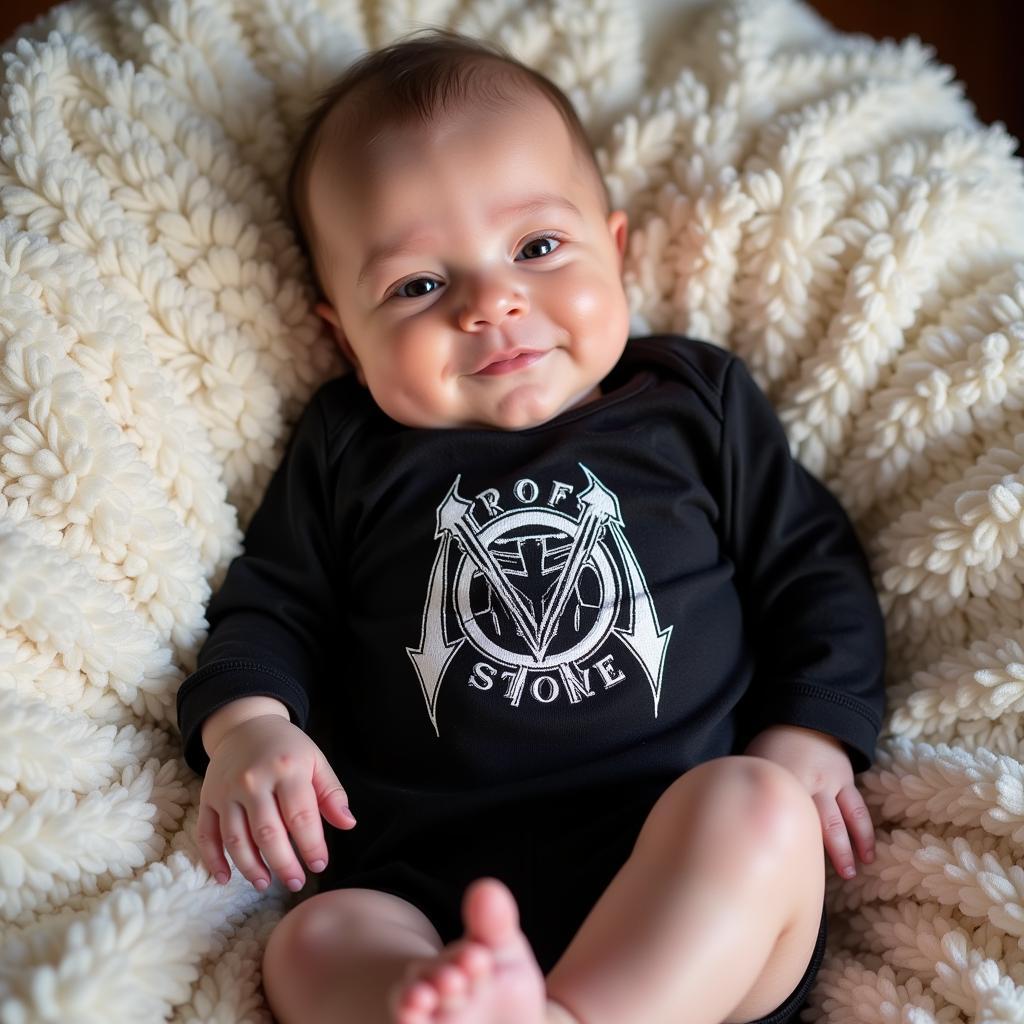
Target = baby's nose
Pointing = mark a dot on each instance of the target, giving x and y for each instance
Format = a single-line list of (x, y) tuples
[(491, 301)]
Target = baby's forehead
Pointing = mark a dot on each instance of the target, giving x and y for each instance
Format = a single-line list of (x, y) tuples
[(354, 139)]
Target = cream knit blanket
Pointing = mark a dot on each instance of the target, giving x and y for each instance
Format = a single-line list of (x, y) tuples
[(824, 205)]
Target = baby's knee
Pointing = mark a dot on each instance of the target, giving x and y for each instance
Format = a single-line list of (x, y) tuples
[(755, 796), (296, 946), (330, 927), (301, 955), (278, 967), (775, 803), (784, 808), (278, 961)]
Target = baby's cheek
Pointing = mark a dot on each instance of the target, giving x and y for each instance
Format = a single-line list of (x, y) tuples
[(595, 302), (425, 372), (415, 354), (582, 299), (392, 381)]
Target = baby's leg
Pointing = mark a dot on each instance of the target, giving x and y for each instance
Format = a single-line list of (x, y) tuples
[(714, 916), (336, 956)]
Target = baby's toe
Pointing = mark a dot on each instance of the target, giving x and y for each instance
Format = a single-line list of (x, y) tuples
[(451, 980), (443, 983), (460, 972), (416, 1001), (474, 958)]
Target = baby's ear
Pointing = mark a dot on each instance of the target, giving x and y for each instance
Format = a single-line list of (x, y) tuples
[(328, 313), (618, 226)]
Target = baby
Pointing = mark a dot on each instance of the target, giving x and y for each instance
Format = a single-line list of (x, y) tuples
[(594, 659)]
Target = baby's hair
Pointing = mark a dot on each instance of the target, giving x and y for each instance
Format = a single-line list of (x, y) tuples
[(415, 80)]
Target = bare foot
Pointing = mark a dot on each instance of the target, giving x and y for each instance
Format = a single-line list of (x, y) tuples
[(489, 977)]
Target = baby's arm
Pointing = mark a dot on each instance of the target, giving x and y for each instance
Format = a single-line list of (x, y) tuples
[(270, 618), (810, 606), (817, 696)]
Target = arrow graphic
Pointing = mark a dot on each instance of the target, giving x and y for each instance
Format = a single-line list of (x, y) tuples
[(431, 658), (599, 506), (646, 640)]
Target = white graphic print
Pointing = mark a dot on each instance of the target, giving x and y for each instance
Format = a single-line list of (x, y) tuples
[(536, 593)]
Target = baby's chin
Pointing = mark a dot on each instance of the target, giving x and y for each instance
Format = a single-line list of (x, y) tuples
[(530, 404), (523, 409)]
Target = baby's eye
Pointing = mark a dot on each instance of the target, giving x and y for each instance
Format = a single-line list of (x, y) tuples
[(415, 280), (545, 240), (541, 240)]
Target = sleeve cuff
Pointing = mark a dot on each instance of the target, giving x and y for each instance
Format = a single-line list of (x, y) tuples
[(836, 714), (218, 683)]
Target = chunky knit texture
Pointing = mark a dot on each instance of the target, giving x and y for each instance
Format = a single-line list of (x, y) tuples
[(825, 205)]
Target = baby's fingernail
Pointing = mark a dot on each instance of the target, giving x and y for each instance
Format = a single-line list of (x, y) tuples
[(318, 865), (849, 872), (221, 877)]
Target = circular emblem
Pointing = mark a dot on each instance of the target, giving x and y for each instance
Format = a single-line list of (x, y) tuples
[(530, 549)]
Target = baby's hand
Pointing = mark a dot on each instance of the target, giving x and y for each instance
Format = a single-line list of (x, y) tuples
[(255, 761), (822, 765)]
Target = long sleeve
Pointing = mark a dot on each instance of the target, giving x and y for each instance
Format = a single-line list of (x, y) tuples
[(268, 619), (809, 603)]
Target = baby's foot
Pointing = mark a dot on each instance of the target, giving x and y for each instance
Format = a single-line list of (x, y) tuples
[(489, 977)]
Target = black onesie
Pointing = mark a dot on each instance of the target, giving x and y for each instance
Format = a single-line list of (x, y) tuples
[(509, 643)]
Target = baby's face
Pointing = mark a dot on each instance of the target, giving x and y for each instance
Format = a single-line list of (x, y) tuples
[(433, 277)]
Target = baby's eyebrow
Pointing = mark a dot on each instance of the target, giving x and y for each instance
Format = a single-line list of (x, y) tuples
[(520, 208)]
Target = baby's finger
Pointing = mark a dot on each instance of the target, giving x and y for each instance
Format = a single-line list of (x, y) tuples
[(211, 846), (271, 837), (234, 827), (837, 842), (858, 821), (301, 816), (331, 797)]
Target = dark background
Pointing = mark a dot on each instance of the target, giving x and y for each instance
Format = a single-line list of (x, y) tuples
[(980, 39)]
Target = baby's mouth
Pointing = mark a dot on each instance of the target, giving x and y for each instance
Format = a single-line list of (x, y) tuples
[(518, 362)]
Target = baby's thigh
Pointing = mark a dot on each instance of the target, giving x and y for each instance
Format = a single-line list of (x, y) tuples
[(310, 946)]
